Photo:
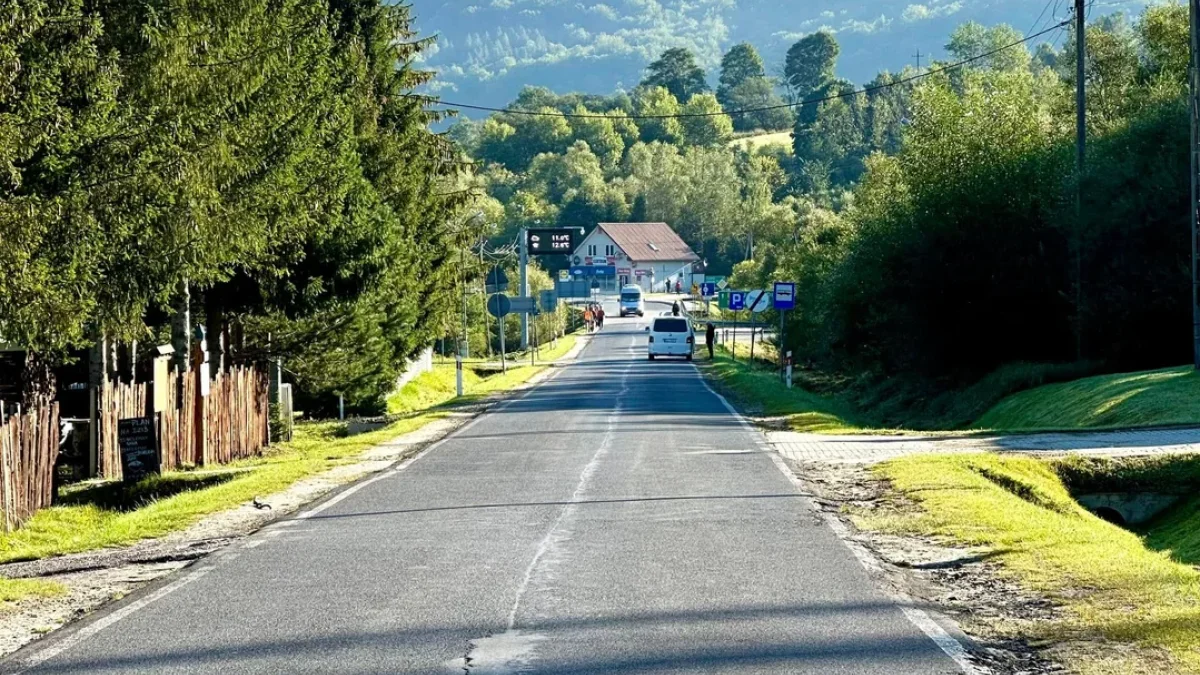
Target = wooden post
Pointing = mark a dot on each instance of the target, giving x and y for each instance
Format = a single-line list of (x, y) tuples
[(96, 373), (203, 384)]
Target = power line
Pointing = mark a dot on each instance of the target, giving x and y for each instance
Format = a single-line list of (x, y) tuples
[(747, 111), (1038, 20)]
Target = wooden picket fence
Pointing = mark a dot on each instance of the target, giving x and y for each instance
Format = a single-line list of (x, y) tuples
[(118, 401), (233, 419), (28, 451)]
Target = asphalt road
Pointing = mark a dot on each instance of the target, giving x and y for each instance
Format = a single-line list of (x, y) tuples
[(616, 519)]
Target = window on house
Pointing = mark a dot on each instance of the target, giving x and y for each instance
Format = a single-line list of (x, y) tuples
[(610, 249), (591, 249)]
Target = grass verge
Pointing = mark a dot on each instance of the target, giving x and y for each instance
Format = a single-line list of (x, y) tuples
[(1149, 398), (758, 390), (91, 516), (439, 386), (1018, 511)]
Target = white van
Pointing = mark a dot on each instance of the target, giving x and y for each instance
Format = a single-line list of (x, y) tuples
[(632, 301), (671, 336)]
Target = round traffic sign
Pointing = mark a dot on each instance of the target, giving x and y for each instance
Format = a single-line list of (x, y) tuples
[(498, 305), (758, 301)]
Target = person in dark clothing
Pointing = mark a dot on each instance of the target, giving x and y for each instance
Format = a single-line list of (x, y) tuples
[(710, 336), (675, 308)]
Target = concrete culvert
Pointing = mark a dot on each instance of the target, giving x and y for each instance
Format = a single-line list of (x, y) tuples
[(1111, 515)]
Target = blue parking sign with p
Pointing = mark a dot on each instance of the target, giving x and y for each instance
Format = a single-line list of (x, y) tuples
[(737, 301)]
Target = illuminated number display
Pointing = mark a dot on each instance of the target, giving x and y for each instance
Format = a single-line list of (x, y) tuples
[(545, 242)]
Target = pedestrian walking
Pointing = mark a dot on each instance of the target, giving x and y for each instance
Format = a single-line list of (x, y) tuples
[(678, 285), (710, 336), (675, 308), (588, 318), (599, 317)]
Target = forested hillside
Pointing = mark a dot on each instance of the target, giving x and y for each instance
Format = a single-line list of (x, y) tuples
[(929, 221), (488, 50)]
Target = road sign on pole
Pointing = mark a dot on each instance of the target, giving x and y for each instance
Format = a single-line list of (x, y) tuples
[(785, 295), (548, 301), (722, 284), (497, 280), (737, 300), (498, 306), (708, 290), (521, 305), (564, 275), (757, 301)]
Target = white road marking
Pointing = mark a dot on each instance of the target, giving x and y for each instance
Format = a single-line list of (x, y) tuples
[(43, 654), (86, 632), (917, 616), (512, 650)]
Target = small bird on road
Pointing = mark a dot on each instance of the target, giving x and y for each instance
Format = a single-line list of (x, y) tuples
[(260, 505)]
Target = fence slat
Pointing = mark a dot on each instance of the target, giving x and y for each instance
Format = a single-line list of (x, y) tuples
[(28, 452)]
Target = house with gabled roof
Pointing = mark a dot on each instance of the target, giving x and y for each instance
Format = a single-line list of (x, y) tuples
[(651, 255)]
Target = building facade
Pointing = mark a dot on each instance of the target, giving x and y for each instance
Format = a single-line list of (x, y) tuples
[(650, 255)]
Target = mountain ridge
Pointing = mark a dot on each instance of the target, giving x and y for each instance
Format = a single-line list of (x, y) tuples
[(487, 50)]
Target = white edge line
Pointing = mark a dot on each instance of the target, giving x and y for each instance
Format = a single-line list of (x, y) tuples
[(43, 655), (917, 616), (50, 651)]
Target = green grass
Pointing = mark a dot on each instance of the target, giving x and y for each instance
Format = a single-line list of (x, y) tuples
[(98, 515), (439, 386), (759, 391), (1150, 398), (759, 140), (1018, 512)]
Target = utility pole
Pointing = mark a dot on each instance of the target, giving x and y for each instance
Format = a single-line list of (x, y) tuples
[(1080, 156), (487, 324), (463, 348), (918, 57), (1194, 105), (524, 264)]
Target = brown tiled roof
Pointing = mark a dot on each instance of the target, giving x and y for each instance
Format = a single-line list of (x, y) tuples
[(647, 242)]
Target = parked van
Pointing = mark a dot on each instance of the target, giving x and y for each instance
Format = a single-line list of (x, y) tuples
[(632, 301)]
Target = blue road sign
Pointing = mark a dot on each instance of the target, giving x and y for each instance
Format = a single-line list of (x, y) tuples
[(785, 295), (548, 301), (499, 305), (708, 290), (737, 300), (594, 271)]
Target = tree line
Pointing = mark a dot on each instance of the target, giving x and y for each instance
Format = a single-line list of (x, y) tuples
[(264, 164)]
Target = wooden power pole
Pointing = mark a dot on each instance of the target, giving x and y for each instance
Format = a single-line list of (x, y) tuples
[(1080, 156), (1194, 205)]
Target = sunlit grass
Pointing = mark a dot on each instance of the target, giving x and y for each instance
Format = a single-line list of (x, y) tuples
[(759, 390), (1017, 510), (1151, 398), (439, 386)]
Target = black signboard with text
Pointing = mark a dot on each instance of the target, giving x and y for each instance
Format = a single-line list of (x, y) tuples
[(560, 241), (139, 447)]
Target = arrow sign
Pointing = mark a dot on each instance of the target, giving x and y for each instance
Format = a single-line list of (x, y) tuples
[(498, 305), (758, 301), (785, 295)]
